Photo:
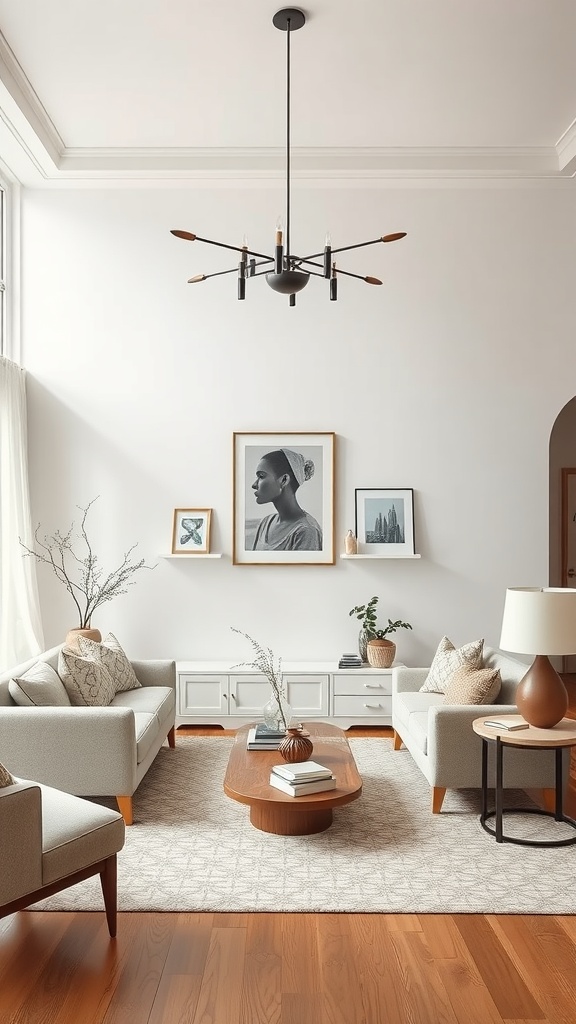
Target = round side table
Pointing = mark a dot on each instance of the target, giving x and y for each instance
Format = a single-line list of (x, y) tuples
[(561, 735)]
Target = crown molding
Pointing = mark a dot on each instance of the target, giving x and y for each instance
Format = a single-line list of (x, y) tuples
[(36, 156), (566, 150)]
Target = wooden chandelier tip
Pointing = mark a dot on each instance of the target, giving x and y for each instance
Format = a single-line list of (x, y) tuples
[(183, 234), (372, 280), (393, 237), (198, 277)]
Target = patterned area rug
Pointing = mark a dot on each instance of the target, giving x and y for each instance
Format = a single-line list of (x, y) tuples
[(191, 848)]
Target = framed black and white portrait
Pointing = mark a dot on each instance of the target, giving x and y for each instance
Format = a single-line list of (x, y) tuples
[(191, 531), (385, 521), (283, 490)]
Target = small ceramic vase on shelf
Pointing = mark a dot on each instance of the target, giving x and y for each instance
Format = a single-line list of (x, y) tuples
[(350, 544), (276, 715), (297, 746)]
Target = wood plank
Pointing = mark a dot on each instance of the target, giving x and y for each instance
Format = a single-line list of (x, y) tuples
[(300, 956), (500, 976), (221, 989), (383, 993), (179, 988), (426, 996), (27, 949), (339, 971), (541, 963), (262, 982)]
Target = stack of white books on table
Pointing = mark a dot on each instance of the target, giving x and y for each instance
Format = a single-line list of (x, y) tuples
[(302, 778)]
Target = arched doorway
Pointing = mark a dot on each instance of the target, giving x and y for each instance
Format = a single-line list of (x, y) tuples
[(562, 504)]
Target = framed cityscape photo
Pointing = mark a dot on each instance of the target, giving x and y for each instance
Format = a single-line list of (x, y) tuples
[(283, 498), (191, 531), (385, 521)]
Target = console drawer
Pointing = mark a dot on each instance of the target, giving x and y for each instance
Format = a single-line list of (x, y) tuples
[(363, 684), (366, 706)]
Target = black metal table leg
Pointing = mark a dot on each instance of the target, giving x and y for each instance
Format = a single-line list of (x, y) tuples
[(498, 792)]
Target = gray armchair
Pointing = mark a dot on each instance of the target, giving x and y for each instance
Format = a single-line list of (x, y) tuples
[(51, 840)]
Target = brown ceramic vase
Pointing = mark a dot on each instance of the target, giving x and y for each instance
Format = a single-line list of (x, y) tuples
[(296, 746)]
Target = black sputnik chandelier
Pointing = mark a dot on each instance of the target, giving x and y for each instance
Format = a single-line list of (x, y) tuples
[(290, 273)]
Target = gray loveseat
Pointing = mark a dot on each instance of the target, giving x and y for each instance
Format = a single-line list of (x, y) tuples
[(443, 744), (91, 751)]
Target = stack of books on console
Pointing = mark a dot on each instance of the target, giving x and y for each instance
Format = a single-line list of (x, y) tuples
[(260, 737), (350, 661), (302, 778)]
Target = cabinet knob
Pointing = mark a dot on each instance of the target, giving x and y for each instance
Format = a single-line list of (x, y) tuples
[(372, 705), (233, 696)]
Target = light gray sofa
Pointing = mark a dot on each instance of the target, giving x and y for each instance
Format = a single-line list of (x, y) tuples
[(91, 751), (443, 744)]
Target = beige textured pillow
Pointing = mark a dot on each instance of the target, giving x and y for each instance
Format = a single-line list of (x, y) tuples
[(86, 681), (110, 654), (447, 659), (5, 778), (40, 686), (473, 686)]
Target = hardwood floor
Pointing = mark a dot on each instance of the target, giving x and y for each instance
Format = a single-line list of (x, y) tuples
[(290, 968)]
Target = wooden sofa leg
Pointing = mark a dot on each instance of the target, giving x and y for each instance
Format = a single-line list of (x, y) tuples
[(397, 740), (125, 808), (438, 795), (172, 737), (109, 891)]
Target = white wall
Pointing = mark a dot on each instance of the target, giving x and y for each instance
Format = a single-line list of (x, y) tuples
[(447, 379)]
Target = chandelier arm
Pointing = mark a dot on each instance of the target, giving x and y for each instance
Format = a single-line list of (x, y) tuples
[(236, 248)]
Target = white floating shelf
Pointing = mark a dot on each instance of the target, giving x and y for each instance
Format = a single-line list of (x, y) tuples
[(380, 556), (191, 556)]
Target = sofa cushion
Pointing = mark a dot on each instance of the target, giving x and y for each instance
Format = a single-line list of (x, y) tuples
[(86, 681), (146, 734), (110, 654), (39, 686), (6, 779), (154, 700), (473, 685), (419, 730), (447, 659), (411, 702)]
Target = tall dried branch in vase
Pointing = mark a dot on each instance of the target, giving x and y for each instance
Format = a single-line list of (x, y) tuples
[(80, 571), (270, 667)]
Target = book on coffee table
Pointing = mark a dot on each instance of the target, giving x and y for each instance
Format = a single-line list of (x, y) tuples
[(302, 771), (501, 723), (301, 788), (264, 741)]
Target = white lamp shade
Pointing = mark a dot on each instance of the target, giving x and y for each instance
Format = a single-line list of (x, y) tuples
[(539, 620)]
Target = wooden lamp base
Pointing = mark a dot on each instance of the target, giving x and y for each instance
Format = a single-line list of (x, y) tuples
[(541, 697)]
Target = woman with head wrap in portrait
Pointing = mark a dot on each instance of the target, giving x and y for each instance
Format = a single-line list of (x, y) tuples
[(279, 474)]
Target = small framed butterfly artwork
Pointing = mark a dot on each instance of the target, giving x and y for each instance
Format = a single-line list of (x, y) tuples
[(191, 531)]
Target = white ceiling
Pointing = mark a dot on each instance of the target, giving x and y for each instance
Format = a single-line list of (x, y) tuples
[(183, 88)]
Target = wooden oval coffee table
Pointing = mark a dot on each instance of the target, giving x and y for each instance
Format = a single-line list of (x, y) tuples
[(247, 780)]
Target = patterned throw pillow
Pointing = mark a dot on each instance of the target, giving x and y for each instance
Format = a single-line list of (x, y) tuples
[(86, 681), (447, 659), (473, 685), (110, 654), (5, 777), (40, 686)]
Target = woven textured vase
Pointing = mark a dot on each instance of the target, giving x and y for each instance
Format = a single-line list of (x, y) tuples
[(381, 653), (297, 746)]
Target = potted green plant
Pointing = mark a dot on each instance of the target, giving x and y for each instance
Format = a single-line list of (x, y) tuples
[(373, 644)]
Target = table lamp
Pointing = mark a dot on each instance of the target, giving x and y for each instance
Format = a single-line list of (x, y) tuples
[(540, 621)]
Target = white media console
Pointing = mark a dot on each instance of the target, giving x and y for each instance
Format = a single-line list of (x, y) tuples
[(214, 693)]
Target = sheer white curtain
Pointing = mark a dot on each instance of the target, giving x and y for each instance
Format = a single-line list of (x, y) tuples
[(20, 623)]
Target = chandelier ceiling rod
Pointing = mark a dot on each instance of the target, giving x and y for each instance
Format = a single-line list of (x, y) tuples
[(287, 276)]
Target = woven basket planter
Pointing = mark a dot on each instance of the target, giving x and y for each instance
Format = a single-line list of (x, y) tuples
[(380, 653)]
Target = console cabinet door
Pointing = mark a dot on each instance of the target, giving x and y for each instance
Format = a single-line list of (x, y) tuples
[(307, 694), (248, 694), (203, 695)]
